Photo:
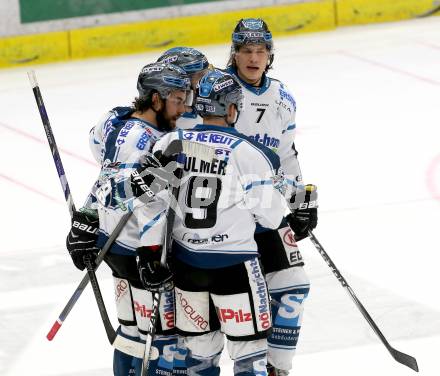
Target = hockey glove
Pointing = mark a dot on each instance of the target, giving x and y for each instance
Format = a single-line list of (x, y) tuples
[(154, 276), (156, 173), (81, 240), (304, 207)]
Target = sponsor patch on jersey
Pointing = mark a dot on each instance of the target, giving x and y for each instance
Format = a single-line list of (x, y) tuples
[(286, 95), (261, 296), (123, 133), (167, 318), (195, 239), (143, 141), (266, 140)]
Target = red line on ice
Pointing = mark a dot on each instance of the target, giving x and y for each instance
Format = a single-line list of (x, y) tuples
[(41, 141), (29, 188), (390, 68)]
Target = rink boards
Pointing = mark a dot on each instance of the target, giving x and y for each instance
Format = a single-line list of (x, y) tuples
[(197, 30)]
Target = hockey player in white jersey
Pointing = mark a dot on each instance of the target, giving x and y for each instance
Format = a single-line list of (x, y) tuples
[(195, 64), (220, 287), (269, 119), (118, 142)]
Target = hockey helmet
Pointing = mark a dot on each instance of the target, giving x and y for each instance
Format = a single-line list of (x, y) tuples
[(252, 31), (215, 91), (163, 78), (187, 58)]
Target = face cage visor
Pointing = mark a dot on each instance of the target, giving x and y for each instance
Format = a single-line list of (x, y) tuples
[(252, 37)]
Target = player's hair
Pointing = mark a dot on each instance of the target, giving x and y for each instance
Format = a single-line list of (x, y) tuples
[(143, 103)]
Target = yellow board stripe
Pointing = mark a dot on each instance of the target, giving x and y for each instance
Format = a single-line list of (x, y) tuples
[(197, 30), (202, 29), (36, 48), (353, 12)]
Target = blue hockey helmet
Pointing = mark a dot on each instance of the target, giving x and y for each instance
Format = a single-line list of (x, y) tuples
[(189, 59), (252, 31), (163, 78), (215, 91)]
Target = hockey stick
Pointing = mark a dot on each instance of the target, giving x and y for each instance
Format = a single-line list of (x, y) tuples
[(184, 148), (51, 140), (115, 340), (400, 357)]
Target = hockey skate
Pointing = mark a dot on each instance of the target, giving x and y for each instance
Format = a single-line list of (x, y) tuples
[(272, 371)]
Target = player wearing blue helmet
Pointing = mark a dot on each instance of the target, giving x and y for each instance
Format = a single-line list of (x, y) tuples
[(195, 64), (119, 142), (219, 284), (269, 119)]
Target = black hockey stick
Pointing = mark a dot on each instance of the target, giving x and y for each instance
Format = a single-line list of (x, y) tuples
[(400, 357), (115, 339), (51, 140), (185, 149)]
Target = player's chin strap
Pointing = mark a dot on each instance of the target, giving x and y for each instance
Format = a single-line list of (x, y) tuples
[(400, 357), (123, 344)]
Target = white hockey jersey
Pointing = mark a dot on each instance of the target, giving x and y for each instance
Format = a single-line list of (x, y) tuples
[(189, 120), (269, 118), (221, 200), (118, 142)]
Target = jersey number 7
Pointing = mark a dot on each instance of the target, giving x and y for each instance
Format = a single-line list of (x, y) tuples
[(261, 113)]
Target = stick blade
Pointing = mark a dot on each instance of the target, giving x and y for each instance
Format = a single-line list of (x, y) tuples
[(405, 359)]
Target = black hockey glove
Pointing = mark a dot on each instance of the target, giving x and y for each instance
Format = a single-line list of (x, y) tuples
[(155, 174), (155, 277), (81, 240), (304, 207)]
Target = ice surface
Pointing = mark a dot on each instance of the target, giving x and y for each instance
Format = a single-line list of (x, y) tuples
[(368, 136)]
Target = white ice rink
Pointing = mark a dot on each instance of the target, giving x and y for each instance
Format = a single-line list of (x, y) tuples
[(369, 137)]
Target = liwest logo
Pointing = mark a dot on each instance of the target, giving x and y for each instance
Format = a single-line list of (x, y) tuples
[(266, 140), (225, 314)]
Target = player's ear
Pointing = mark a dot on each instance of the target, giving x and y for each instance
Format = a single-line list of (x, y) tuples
[(156, 102), (231, 116)]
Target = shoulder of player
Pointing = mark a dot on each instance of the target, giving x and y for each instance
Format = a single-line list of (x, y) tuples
[(254, 149)]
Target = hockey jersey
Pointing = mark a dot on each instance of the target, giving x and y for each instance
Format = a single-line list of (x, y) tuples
[(269, 118), (118, 142), (221, 200)]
